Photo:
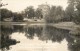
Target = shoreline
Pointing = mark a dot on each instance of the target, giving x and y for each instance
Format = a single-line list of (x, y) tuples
[(17, 23), (61, 25), (71, 26)]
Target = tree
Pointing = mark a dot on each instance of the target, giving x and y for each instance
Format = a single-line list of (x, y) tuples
[(55, 14), (73, 10), (38, 13), (69, 12), (59, 13), (77, 13), (17, 17), (1, 4), (29, 12), (49, 17), (5, 13)]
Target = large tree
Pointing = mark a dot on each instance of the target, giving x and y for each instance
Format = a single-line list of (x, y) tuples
[(50, 16), (5, 13), (29, 12), (55, 14), (59, 13), (69, 12), (77, 13), (73, 11), (38, 13), (17, 17)]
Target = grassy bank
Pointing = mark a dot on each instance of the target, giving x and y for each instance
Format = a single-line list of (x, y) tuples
[(65, 25), (74, 29)]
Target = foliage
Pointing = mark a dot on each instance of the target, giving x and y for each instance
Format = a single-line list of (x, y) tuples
[(73, 11), (29, 12), (69, 12), (38, 13), (77, 13), (55, 14), (5, 13), (17, 17)]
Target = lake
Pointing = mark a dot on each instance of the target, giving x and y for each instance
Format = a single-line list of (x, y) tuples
[(37, 38)]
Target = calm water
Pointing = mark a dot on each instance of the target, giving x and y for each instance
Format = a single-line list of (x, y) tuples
[(37, 38)]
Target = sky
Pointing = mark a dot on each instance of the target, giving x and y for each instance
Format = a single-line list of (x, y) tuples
[(19, 5)]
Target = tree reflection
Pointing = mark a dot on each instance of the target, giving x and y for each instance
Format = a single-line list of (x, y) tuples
[(51, 33), (74, 45), (6, 40), (73, 42), (18, 28), (6, 30), (54, 34), (31, 31), (43, 33)]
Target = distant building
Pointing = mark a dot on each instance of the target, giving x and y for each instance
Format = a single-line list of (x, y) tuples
[(45, 9)]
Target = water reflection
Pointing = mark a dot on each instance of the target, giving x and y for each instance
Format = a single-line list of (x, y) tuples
[(31, 31), (6, 40), (18, 28), (74, 43), (44, 33)]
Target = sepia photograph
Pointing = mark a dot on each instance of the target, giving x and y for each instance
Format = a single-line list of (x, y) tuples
[(39, 25)]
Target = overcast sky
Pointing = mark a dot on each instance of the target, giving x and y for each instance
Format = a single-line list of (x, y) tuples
[(19, 5)]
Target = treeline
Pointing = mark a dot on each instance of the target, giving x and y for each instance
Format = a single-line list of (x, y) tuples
[(29, 13), (71, 13), (55, 14), (5, 13)]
